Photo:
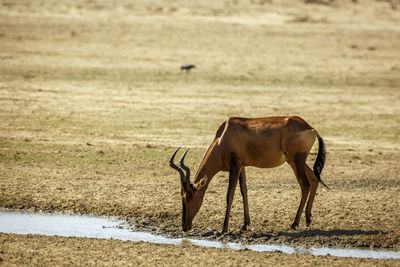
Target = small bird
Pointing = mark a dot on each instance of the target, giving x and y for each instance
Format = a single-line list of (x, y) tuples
[(187, 67)]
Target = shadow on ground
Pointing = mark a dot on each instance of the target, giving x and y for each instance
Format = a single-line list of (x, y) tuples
[(299, 236), (328, 233)]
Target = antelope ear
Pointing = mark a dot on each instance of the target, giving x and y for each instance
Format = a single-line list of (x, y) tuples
[(200, 184)]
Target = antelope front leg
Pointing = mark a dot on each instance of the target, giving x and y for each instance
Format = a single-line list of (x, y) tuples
[(243, 190), (233, 179)]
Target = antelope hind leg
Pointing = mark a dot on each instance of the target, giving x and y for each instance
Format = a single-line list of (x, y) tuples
[(298, 166), (313, 181)]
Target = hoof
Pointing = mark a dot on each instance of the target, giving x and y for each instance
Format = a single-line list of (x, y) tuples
[(294, 225)]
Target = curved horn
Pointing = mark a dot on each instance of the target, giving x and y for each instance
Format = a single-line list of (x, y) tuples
[(172, 165), (183, 166)]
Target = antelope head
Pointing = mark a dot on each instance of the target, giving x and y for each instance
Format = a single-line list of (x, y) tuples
[(191, 193)]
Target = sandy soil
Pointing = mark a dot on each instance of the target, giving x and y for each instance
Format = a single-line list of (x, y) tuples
[(49, 251), (92, 104)]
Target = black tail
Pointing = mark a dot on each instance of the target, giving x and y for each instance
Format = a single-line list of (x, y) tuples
[(320, 161)]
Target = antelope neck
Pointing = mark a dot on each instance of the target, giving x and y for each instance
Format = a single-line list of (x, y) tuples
[(210, 165)]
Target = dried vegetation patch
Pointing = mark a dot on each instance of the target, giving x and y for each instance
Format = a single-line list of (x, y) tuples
[(92, 103)]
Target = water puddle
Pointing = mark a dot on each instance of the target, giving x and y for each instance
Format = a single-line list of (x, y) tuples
[(106, 228)]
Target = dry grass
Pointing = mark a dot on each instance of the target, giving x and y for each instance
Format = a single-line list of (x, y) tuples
[(92, 103)]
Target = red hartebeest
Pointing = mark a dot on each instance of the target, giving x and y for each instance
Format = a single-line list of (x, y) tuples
[(260, 142)]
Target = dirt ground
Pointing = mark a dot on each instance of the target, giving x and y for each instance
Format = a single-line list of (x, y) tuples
[(49, 251), (93, 103)]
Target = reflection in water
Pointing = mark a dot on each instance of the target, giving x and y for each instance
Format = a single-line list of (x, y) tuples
[(97, 227)]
